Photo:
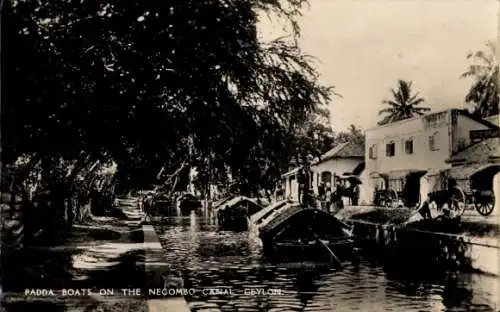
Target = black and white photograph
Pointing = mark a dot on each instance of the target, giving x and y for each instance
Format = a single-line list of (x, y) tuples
[(249, 155)]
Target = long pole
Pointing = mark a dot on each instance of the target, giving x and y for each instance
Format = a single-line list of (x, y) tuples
[(333, 257)]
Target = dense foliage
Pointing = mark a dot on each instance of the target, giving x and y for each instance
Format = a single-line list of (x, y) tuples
[(484, 93), (156, 86)]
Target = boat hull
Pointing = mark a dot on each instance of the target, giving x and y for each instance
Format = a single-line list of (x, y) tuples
[(237, 224), (311, 251), (187, 205), (297, 233)]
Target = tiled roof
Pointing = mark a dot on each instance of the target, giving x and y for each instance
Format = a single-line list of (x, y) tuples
[(344, 150), (291, 172), (481, 152)]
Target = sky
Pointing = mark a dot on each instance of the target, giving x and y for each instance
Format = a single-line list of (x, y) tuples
[(363, 47)]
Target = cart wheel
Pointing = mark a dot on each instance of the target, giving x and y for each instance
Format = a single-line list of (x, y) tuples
[(485, 208)]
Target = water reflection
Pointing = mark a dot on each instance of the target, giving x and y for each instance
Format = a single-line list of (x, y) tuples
[(208, 257)]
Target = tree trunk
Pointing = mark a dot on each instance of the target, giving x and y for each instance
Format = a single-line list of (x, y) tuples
[(84, 212)]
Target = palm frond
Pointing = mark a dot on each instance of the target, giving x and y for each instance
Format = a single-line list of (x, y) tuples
[(391, 103), (416, 102), (403, 105), (404, 89), (388, 110)]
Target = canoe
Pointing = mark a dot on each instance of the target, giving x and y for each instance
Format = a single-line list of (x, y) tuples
[(234, 213), (292, 232)]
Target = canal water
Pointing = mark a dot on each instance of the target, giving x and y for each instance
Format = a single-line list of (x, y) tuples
[(217, 261)]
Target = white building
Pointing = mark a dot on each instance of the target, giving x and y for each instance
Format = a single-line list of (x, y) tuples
[(344, 158), (424, 143), (290, 184)]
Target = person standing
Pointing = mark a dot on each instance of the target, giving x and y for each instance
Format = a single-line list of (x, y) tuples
[(328, 197), (355, 195), (321, 195), (425, 189), (301, 182), (337, 197)]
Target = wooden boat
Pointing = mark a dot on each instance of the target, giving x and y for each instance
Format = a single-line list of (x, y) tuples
[(221, 202), (234, 213), (187, 203), (291, 232), (267, 213), (162, 204)]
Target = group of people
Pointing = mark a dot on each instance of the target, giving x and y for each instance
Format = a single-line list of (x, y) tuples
[(328, 198), (332, 199)]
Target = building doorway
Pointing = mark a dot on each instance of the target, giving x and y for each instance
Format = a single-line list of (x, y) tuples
[(411, 189)]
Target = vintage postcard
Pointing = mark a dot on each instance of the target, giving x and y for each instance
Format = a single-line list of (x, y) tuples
[(249, 155)]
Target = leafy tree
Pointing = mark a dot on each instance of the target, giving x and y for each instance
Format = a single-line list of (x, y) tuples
[(353, 134), (153, 86), (484, 94), (403, 104)]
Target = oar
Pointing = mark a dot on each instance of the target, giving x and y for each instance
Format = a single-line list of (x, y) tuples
[(332, 254)]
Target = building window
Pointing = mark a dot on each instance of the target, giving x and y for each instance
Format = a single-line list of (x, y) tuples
[(390, 149), (409, 146), (433, 142), (372, 152), (396, 185)]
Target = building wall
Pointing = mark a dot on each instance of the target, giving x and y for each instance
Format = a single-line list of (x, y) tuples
[(461, 137), (496, 193), (291, 187), (336, 166), (449, 129), (418, 131), (366, 188)]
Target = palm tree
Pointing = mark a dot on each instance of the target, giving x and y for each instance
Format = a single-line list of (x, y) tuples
[(484, 93), (403, 105)]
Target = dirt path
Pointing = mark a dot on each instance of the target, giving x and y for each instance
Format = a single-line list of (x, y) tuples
[(105, 255)]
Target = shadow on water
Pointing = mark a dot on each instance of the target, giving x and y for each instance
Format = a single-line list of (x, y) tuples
[(386, 279)]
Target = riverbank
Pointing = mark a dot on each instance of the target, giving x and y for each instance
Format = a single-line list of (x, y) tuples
[(104, 265), (471, 244), (471, 223)]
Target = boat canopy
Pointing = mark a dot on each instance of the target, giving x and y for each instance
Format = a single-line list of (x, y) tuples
[(186, 196), (220, 202), (293, 218), (258, 217), (252, 205)]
